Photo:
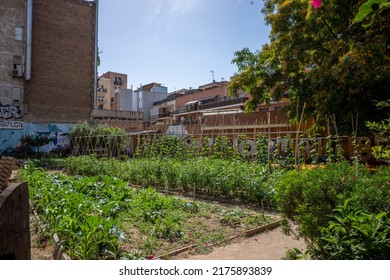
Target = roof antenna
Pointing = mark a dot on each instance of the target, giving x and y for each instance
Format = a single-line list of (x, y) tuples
[(212, 72)]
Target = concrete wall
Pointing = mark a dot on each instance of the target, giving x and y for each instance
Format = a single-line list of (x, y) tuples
[(124, 99), (63, 45), (15, 240)]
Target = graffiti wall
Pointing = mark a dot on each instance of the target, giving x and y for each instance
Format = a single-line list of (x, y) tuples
[(10, 112), (10, 117), (57, 133)]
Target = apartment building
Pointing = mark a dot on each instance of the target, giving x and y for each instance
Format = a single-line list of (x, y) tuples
[(163, 110), (214, 96), (209, 111), (108, 84), (47, 67), (146, 95)]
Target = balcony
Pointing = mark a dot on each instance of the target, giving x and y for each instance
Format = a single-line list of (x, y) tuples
[(226, 103), (223, 103), (162, 115), (165, 114)]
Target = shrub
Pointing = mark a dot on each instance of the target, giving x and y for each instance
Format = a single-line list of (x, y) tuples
[(354, 233), (310, 197)]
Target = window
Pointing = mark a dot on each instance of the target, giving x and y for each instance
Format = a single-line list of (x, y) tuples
[(17, 62), (17, 94), (18, 33), (264, 109), (278, 108), (118, 81)]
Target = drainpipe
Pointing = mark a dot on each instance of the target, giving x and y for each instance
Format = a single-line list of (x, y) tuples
[(28, 40), (96, 56)]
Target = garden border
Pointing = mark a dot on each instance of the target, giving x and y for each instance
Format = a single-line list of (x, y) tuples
[(247, 233), (59, 252)]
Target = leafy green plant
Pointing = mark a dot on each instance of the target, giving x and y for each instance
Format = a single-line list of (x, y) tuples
[(369, 10), (72, 208), (31, 144), (381, 130), (262, 155), (204, 176), (295, 254), (256, 220), (298, 194), (330, 156), (354, 233), (315, 157), (231, 218), (87, 139), (289, 157)]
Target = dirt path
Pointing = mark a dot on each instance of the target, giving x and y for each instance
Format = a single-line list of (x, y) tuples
[(271, 245)]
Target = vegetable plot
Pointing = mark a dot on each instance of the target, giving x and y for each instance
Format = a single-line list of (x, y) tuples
[(102, 218), (215, 178)]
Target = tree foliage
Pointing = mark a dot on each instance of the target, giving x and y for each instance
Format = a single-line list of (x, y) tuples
[(369, 10), (381, 130), (321, 58)]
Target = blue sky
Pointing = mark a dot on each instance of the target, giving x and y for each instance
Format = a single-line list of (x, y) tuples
[(177, 42)]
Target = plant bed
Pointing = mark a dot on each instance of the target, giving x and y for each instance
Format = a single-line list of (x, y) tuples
[(102, 218)]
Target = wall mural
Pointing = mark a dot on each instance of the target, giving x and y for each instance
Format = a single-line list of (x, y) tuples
[(57, 133), (58, 140)]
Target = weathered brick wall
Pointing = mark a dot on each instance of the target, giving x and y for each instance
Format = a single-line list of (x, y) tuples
[(61, 89), (14, 223)]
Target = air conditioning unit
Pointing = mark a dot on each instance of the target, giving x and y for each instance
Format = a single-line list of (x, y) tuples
[(17, 73)]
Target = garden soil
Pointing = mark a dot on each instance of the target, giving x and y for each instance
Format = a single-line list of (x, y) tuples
[(270, 245)]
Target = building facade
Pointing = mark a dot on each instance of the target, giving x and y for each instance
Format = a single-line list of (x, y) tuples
[(146, 95), (210, 111), (47, 67), (163, 110), (108, 84), (191, 106)]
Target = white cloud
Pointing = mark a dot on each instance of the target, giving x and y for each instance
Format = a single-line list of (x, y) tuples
[(154, 10), (183, 7), (158, 8), (165, 14)]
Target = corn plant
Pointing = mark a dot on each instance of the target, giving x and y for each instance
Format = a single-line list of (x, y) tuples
[(72, 209)]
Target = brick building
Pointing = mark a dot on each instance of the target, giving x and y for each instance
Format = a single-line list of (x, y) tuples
[(47, 66), (210, 111)]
